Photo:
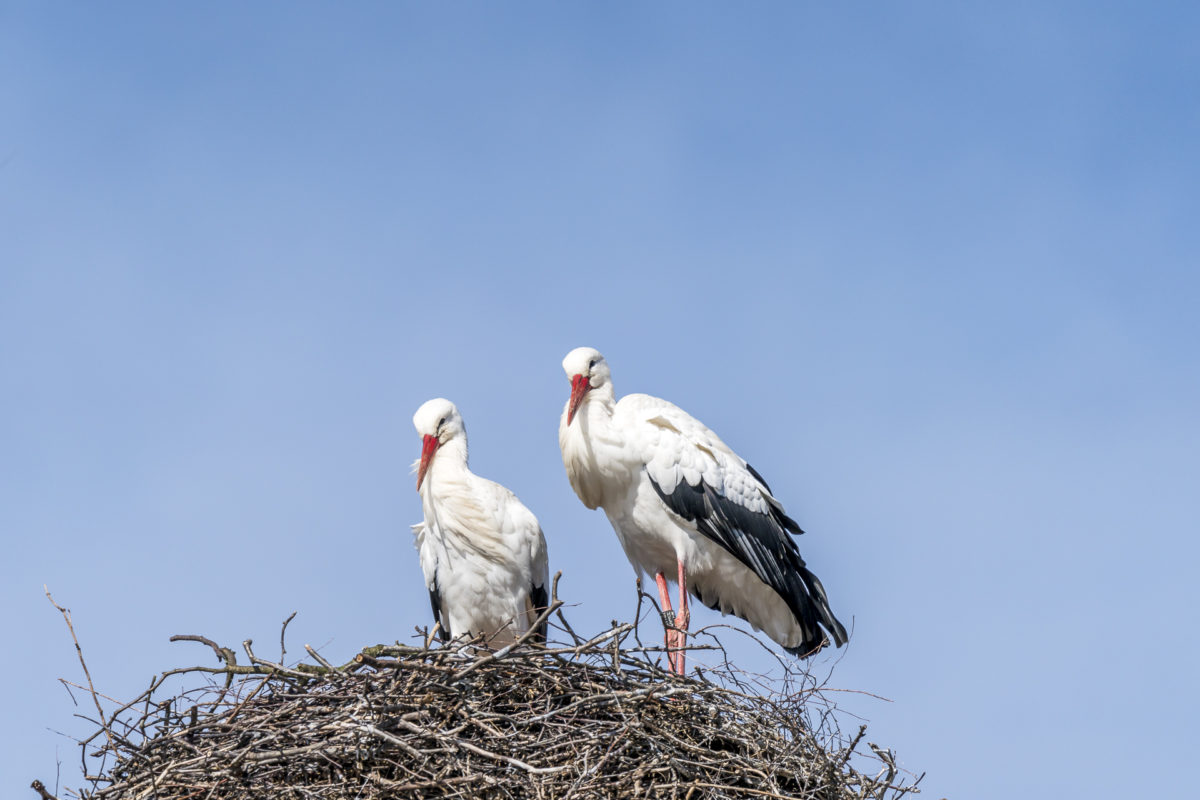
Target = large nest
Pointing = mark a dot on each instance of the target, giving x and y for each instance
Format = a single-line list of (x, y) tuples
[(596, 717)]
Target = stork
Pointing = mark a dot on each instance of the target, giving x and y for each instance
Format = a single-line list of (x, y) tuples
[(482, 552), (684, 505)]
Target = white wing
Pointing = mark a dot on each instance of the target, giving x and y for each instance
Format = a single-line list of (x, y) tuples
[(529, 553), (427, 549), (676, 446), (713, 489)]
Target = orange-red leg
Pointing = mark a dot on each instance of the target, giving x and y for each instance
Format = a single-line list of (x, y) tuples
[(668, 619), (681, 620)]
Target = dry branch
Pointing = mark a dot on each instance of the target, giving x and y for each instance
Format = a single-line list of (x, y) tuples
[(597, 717)]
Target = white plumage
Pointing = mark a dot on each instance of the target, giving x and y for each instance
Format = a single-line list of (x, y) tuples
[(684, 504), (482, 552)]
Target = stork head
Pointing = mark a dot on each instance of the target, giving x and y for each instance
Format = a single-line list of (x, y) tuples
[(587, 370), (438, 422)]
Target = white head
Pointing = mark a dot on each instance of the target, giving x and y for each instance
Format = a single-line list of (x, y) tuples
[(438, 422), (587, 370)]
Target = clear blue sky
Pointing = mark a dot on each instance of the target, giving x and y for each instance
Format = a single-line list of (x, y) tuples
[(933, 270)]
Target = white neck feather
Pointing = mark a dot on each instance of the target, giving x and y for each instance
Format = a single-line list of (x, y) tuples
[(592, 448)]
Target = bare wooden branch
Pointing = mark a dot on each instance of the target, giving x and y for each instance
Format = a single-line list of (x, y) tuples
[(223, 653), (317, 657), (584, 717), (66, 614), (40, 788), (282, 633)]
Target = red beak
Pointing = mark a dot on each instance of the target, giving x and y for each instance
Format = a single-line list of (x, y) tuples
[(429, 446), (579, 387)]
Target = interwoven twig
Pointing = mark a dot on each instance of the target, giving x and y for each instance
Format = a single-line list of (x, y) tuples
[(594, 718)]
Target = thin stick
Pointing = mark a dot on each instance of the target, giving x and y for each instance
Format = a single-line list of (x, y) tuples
[(555, 605), (79, 650), (319, 659), (584, 717), (283, 630)]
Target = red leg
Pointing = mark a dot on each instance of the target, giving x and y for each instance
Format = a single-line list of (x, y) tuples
[(668, 618), (682, 619)]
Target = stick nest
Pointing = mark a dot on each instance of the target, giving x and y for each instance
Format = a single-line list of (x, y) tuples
[(591, 718)]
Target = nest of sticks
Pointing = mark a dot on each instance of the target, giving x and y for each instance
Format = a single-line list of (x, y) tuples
[(579, 718)]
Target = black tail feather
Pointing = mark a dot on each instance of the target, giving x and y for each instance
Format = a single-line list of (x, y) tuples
[(540, 599), (806, 598)]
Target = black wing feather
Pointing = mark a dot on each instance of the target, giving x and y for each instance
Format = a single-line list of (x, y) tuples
[(435, 602), (761, 542), (759, 478), (540, 599)]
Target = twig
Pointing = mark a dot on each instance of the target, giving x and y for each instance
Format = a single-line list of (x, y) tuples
[(488, 658), (282, 631), (79, 651), (319, 659), (40, 788), (583, 717)]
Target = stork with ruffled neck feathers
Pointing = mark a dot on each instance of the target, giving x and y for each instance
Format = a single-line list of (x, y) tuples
[(482, 552)]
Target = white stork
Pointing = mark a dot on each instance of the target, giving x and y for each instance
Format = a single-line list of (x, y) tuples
[(682, 502), (482, 552)]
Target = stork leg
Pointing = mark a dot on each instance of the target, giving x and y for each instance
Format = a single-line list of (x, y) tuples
[(681, 620), (668, 615)]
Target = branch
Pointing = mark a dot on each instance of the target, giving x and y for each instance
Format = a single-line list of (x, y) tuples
[(91, 687), (40, 787), (555, 605)]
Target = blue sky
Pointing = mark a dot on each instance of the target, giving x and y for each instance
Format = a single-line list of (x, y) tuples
[(932, 270)]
